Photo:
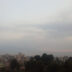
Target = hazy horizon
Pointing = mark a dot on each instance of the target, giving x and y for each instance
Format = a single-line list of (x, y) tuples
[(36, 27)]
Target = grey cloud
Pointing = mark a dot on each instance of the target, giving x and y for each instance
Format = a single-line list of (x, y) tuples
[(58, 29), (54, 37)]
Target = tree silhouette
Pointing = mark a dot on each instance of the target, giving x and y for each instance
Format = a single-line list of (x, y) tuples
[(14, 65)]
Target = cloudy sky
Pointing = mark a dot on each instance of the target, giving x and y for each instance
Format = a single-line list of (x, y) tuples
[(36, 26)]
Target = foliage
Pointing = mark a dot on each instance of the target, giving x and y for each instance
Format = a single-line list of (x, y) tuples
[(46, 63)]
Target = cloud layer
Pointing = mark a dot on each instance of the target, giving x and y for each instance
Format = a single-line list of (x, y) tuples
[(35, 27)]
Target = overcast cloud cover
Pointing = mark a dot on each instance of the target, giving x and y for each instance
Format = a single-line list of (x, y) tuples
[(36, 26)]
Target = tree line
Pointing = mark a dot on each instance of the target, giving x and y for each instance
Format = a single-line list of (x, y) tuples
[(44, 63)]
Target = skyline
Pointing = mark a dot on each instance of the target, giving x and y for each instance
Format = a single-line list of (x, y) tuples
[(36, 26)]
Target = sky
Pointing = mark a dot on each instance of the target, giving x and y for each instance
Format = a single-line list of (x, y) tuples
[(36, 27)]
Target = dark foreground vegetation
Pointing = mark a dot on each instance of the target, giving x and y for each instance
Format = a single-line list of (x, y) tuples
[(44, 63), (47, 63)]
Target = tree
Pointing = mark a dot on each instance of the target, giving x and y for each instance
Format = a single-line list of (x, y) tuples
[(37, 57), (14, 65)]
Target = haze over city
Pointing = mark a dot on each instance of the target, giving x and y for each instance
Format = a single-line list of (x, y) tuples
[(36, 27)]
